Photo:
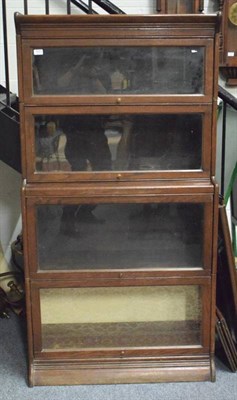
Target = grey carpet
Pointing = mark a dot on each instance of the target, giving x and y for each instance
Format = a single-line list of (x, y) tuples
[(13, 379)]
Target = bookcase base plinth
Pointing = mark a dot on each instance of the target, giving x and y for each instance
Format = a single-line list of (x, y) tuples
[(73, 373)]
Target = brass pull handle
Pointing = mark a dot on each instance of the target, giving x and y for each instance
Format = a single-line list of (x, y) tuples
[(119, 176), (118, 100)]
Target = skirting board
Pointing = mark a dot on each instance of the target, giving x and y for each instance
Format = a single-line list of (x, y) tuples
[(46, 373)]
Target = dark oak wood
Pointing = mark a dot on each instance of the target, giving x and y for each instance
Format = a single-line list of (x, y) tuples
[(185, 351), (228, 42)]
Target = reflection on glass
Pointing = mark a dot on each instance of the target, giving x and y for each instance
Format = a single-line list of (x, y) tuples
[(119, 236), (118, 142), (78, 318), (111, 70)]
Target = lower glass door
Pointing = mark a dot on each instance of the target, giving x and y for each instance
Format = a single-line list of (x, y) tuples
[(122, 236), (121, 317)]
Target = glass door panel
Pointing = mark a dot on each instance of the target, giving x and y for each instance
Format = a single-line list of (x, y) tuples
[(131, 142), (120, 236), (110, 317), (118, 70)]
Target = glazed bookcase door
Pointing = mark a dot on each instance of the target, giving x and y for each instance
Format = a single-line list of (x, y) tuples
[(104, 320), (94, 143), (108, 70), (105, 72), (120, 235)]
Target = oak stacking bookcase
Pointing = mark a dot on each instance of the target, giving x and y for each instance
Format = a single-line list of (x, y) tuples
[(119, 200)]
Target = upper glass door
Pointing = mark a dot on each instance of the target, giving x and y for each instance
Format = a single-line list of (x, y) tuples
[(118, 70)]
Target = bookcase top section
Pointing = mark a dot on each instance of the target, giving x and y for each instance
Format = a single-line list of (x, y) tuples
[(61, 25)]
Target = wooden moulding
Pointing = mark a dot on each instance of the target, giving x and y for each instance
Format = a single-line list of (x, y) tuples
[(74, 373), (26, 24)]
